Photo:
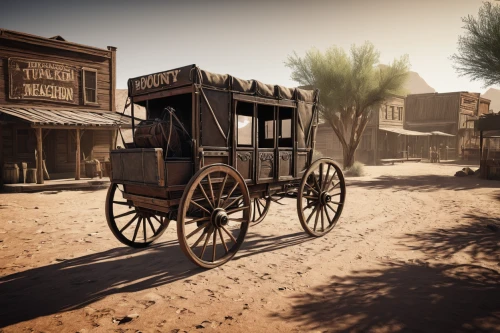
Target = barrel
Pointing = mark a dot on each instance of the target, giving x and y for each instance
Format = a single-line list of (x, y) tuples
[(31, 175), (10, 173)]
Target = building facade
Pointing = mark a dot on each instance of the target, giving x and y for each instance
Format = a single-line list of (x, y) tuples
[(453, 113), (57, 101)]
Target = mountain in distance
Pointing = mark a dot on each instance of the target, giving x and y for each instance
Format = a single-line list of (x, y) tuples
[(417, 85), (493, 95)]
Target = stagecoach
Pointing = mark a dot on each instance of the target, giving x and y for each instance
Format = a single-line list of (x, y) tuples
[(213, 154)]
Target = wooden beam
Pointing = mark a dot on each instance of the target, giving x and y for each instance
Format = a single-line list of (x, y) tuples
[(77, 169), (1, 155), (112, 70), (94, 128), (39, 160)]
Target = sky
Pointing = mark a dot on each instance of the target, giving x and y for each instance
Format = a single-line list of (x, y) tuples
[(252, 39)]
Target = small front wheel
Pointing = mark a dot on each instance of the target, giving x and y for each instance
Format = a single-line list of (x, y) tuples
[(213, 215), (321, 197), (133, 226)]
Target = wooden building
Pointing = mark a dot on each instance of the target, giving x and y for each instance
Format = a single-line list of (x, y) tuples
[(488, 126), (453, 113), (56, 98), (384, 136)]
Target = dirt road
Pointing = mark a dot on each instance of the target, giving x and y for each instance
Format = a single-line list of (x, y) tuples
[(416, 249)]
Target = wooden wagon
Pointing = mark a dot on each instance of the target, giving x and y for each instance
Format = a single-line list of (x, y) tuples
[(238, 144)]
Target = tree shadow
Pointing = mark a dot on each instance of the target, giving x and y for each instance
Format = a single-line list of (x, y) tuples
[(424, 183), (75, 283), (479, 238), (403, 297)]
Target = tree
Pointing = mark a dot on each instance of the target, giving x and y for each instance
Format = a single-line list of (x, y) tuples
[(479, 49), (350, 88)]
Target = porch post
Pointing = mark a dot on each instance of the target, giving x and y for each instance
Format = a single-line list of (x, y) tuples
[(77, 170), (39, 152)]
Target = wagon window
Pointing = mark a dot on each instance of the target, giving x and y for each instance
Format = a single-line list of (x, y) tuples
[(245, 125), (269, 129), (285, 127)]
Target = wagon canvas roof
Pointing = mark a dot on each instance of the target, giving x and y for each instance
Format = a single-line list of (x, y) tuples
[(194, 75), (68, 117)]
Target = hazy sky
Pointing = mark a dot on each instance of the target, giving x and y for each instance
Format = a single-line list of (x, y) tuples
[(252, 39)]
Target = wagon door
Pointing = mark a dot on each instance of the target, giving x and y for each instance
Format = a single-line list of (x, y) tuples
[(285, 139), (266, 143), (245, 139)]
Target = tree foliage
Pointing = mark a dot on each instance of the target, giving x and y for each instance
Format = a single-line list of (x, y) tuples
[(479, 48), (351, 86)]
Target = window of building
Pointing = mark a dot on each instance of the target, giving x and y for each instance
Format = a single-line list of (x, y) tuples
[(90, 86), (392, 113), (386, 112), (400, 113)]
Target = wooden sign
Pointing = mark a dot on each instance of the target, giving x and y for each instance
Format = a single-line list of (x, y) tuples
[(43, 80), (158, 81)]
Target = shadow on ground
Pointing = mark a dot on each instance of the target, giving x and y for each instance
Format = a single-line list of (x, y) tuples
[(75, 283), (424, 183), (403, 297), (478, 237)]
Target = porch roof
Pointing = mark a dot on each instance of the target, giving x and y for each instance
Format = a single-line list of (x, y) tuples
[(413, 133), (68, 117), (404, 131)]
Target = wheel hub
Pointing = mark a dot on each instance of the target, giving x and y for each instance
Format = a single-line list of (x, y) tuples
[(219, 218), (325, 198)]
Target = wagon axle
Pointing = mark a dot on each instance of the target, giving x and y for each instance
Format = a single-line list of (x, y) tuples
[(219, 218)]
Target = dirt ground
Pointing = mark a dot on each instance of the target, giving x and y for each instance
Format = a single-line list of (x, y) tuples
[(416, 249)]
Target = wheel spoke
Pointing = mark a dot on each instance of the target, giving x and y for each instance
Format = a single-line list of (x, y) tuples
[(205, 195), (221, 191), (223, 241), (229, 234), (129, 223), (316, 182), (322, 219), (206, 242), (151, 225), (197, 230), (206, 218), (232, 202), (211, 189), (328, 217), (334, 186), (316, 220), (232, 211), (230, 192), (201, 207), (238, 220), (337, 203), (310, 197), (144, 228), (137, 229), (312, 188), (254, 204), (203, 234), (125, 214), (331, 179), (312, 213), (258, 207), (214, 246), (334, 211), (325, 181), (320, 181)]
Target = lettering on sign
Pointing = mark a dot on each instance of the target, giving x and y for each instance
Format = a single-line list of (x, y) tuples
[(43, 80), (154, 81)]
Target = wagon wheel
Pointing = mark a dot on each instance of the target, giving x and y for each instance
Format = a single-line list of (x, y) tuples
[(133, 226), (211, 223), (321, 197), (260, 207)]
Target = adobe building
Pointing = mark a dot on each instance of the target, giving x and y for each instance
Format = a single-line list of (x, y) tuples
[(57, 100)]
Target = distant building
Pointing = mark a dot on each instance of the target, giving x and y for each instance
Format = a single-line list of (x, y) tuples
[(57, 99), (453, 113), (384, 136)]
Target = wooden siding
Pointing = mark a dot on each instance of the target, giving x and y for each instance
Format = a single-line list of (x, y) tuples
[(432, 107), (389, 119), (327, 143), (11, 48)]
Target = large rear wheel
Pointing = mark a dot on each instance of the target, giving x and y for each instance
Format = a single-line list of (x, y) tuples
[(213, 215)]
